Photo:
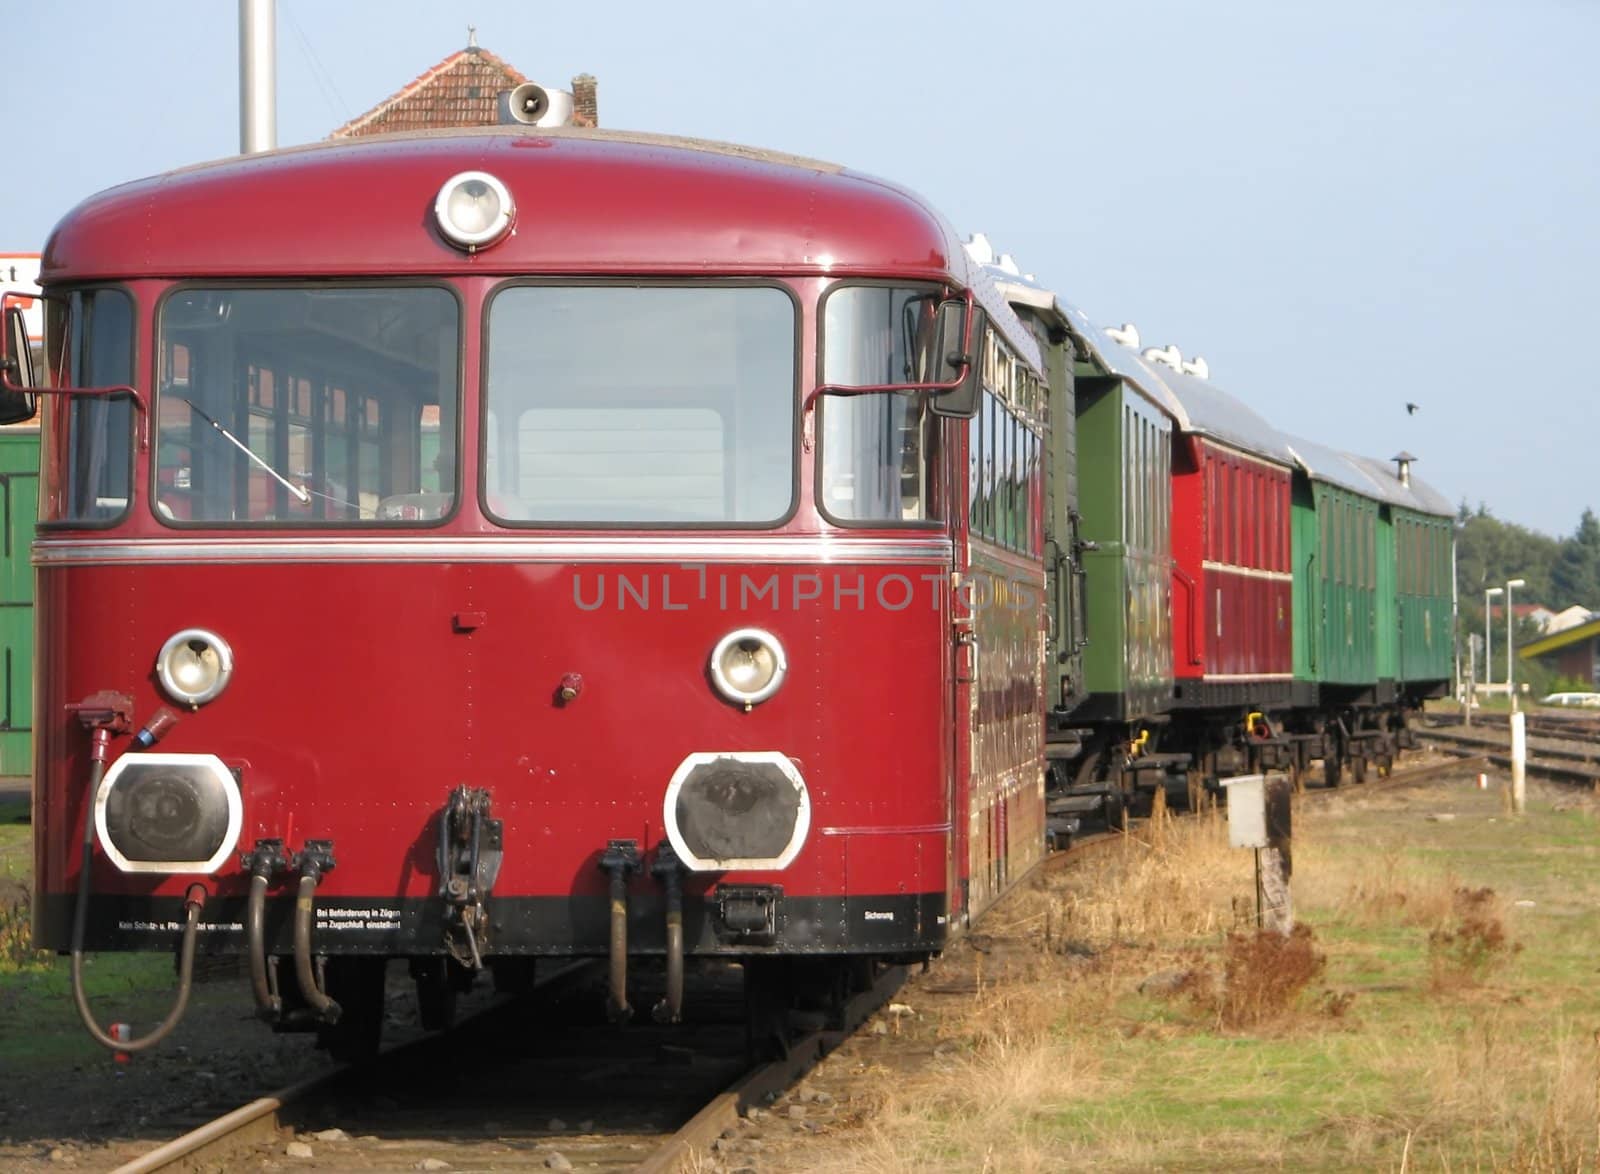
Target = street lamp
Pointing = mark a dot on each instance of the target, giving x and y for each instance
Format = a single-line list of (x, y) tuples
[(1510, 631), (1488, 642)]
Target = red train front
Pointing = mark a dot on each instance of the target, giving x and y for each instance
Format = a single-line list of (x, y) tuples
[(545, 543)]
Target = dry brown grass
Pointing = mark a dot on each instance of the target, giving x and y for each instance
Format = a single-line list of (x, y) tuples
[(1168, 883), (1472, 945), (17, 951), (986, 1106), (1263, 976)]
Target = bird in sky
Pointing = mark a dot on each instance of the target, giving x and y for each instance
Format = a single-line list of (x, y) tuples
[(1411, 409)]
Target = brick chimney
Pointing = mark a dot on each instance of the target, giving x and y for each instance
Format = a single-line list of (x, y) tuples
[(585, 100)]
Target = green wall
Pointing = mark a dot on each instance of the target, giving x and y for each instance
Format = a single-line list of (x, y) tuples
[(19, 509)]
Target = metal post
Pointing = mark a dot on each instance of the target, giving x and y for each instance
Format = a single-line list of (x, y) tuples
[(1511, 686), (258, 68), (1519, 763), (1488, 634)]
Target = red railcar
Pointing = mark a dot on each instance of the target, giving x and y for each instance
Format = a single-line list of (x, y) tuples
[(1232, 622), (546, 542)]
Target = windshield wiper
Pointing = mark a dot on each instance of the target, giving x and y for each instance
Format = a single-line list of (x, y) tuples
[(301, 494)]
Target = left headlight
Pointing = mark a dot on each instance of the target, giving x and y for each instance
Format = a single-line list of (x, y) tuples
[(168, 813), (194, 666), (748, 665)]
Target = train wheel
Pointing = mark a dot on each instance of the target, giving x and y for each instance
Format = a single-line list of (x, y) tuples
[(357, 985), (1115, 809), (768, 998), (436, 993)]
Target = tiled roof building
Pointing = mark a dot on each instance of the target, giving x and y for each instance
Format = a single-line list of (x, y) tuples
[(462, 90)]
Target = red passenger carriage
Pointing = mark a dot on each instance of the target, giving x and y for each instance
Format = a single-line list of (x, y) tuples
[(1232, 629), (551, 544)]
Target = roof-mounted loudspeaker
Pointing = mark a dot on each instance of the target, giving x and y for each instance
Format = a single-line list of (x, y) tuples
[(533, 105)]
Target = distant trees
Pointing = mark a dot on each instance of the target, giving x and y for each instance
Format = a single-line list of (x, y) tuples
[(1575, 578), (1560, 571)]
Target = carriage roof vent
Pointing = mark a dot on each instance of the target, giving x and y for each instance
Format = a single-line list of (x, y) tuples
[(1169, 354), (979, 249), (1402, 462), (1127, 334)]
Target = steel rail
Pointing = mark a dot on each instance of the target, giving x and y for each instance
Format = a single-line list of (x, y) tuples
[(260, 1118), (695, 1137)]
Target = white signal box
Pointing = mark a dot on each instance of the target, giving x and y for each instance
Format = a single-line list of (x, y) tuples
[(1247, 811)]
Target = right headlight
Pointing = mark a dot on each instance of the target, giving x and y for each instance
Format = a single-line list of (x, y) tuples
[(194, 666), (748, 665)]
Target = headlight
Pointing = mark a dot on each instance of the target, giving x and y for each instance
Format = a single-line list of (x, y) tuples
[(194, 666), (748, 665), (168, 813), (474, 210)]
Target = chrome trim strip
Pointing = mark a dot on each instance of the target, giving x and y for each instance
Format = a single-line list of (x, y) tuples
[(1247, 572), (925, 829), (809, 549), (1247, 677)]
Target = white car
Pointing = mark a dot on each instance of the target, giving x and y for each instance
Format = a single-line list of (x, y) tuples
[(1586, 700)]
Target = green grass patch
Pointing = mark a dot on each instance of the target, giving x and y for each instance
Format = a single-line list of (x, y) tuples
[(1453, 1025)]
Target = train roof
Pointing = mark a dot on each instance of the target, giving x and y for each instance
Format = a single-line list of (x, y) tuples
[(1366, 476), (594, 202), (587, 201), (1199, 406), (1025, 289), (1213, 412)]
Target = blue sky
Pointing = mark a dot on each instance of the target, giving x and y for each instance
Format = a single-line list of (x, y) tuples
[(1342, 207)]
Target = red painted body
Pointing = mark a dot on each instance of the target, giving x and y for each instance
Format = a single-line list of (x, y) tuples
[(1231, 610), (377, 670)]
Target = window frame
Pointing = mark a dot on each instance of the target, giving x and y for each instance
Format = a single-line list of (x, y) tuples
[(51, 439), (291, 377), (941, 495), (485, 341)]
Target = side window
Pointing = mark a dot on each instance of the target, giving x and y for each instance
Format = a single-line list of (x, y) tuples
[(89, 344), (878, 450)]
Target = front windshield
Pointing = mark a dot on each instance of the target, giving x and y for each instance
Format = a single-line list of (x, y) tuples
[(307, 407), (653, 405)]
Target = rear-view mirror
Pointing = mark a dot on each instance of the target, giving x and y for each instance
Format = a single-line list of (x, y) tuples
[(959, 334), (17, 399)]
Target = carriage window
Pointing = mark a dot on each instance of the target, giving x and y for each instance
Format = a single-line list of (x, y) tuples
[(652, 405), (307, 407), (90, 344), (877, 450)]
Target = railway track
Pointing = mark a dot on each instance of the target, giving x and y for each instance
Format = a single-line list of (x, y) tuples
[(532, 1083), (1558, 759), (522, 1087)]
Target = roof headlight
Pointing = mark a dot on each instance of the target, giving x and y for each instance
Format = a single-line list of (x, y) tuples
[(474, 209), (748, 665), (194, 666)]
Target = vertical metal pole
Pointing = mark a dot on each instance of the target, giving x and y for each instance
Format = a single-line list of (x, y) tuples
[(1258, 888), (1519, 763), (1511, 688), (1488, 634), (1472, 680), (258, 69)]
